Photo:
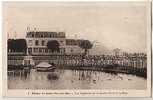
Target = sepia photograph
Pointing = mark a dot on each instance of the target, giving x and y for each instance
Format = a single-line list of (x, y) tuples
[(77, 46)]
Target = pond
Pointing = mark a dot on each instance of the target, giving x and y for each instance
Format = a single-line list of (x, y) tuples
[(74, 79)]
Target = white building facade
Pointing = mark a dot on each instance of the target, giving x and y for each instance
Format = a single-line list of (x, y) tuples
[(37, 43)]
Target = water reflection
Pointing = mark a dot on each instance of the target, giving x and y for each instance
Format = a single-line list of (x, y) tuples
[(73, 79), (52, 76)]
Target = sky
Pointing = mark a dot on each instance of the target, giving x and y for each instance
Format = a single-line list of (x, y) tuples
[(112, 25)]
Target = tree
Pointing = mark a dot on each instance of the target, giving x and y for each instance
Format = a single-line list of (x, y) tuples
[(17, 45), (86, 45), (53, 45)]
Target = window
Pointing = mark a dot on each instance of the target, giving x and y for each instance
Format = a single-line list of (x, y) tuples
[(50, 35), (30, 42), (32, 35), (40, 50), (36, 42), (46, 50), (35, 49), (63, 50), (43, 50), (29, 50), (42, 42)]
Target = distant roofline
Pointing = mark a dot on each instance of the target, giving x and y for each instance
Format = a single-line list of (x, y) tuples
[(76, 39), (45, 34)]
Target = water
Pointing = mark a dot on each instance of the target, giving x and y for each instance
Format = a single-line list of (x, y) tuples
[(74, 79)]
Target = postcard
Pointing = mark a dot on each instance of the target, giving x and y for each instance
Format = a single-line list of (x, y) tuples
[(77, 49)]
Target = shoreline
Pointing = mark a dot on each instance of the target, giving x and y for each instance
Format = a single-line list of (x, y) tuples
[(107, 69), (136, 72)]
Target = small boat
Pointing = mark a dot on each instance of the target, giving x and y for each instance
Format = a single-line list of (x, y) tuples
[(45, 67)]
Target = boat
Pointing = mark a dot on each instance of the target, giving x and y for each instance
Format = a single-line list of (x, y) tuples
[(45, 67)]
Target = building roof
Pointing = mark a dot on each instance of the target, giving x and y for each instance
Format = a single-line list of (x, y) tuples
[(45, 34)]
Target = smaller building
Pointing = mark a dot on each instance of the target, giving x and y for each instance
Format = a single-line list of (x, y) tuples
[(72, 47)]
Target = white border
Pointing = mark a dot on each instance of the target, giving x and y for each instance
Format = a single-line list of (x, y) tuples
[(23, 93)]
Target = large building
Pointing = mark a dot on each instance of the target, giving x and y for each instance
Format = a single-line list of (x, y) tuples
[(37, 43)]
